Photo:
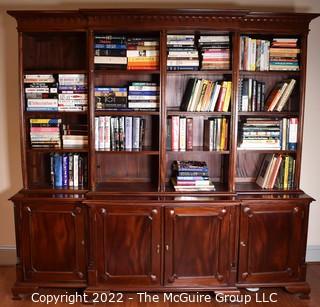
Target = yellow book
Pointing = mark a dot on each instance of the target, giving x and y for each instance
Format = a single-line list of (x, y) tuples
[(227, 98), (223, 134), (286, 172), (143, 59), (203, 91)]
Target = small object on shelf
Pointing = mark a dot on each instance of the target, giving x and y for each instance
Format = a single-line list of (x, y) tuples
[(182, 52), (203, 95), (215, 52), (284, 54), (191, 176), (45, 132), (110, 51), (119, 133), (74, 136), (111, 98), (143, 95), (142, 53)]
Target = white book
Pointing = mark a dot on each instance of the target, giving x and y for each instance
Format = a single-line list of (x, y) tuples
[(128, 132), (107, 134), (143, 97), (96, 134), (42, 102), (110, 60), (76, 170), (137, 53), (73, 96), (183, 134), (101, 131), (136, 132)]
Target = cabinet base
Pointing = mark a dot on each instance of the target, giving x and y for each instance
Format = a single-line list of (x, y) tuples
[(302, 290), (20, 291)]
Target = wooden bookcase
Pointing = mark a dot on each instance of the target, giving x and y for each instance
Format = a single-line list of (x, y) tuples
[(127, 229)]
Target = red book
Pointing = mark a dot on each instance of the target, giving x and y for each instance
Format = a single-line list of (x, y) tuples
[(222, 94), (175, 131)]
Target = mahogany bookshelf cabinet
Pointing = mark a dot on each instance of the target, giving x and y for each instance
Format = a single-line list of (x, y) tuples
[(127, 229)]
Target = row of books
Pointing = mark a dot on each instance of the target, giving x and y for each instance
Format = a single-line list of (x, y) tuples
[(137, 96), (179, 133), (215, 51), (122, 52), (191, 176), (215, 136), (251, 95), (263, 133), (48, 132), (68, 170), (62, 92), (119, 133), (182, 52), (203, 95), (263, 55), (277, 171)]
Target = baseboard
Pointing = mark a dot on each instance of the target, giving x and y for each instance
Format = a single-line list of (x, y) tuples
[(313, 253), (8, 255)]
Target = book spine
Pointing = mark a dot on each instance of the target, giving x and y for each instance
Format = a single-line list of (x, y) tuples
[(182, 133), (65, 170), (96, 134), (58, 170), (175, 133), (70, 170), (75, 170), (293, 133), (128, 133), (107, 132), (189, 134), (136, 133)]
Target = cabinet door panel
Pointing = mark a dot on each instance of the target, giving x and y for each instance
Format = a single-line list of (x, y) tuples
[(197, 243), (129, 245), (53, 242), (272, 238)]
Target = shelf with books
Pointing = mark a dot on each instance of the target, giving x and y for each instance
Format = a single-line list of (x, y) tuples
[(279, 151), (270, 73), (252, 188), (54, 71), (52, 113), (199, 72), (220, 188), (268, 114), (142, 151), (199, 149), (176, 111), (58, 150), (126, 112), (117, 72)]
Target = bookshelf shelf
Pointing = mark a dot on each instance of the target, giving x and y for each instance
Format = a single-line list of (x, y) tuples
[(99, 71), (270, 73), (126, 187), (144, 151), (55, 71), (268, 114), (199, 72), (36, 114), (171, 112), (278, 151), (252, 187), (126, 113), (58, 150), (200, 149)]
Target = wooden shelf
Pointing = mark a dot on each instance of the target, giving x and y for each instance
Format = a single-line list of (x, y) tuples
[(200, 149), (58, 150), (126, 187), (125, 112), (144, 151), (171, 112), (55, 71), (252, 187), (269, 114), (219, 188), (52, 113), (48, 188), (269, 73), (125, 71), (199, 72), (279, 151)]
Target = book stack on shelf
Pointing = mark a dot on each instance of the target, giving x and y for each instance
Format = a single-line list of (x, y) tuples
[(284, 54), (191, 176), (215, 51), (143, 95), (41, 92), (74, 135), (277, 171), (45, 132), (280, 95), (203, 95), (73, 92), (215, 135), (251, 95), (264, 133), (68, 170), (254, 54), (182, 52), (142, 53), (111, 98), (179, 133), (110, 51), (121, 133)]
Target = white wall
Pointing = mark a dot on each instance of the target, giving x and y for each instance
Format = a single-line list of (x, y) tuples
[(10, 170)]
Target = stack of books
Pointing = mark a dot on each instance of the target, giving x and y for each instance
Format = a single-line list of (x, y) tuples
[(73, 92), (254, 54), (191, 176), (143, 53), (179, 133), (182, 52), (215, 134), (113, 98), (45, 132), (41, 92), (68, 170), (215, 51), (74, 135), (276, 171), (251, 95), (119, 133), (110, 51), (280, 95), (284, 54), (203, 95), (263, 133), (143, 95)]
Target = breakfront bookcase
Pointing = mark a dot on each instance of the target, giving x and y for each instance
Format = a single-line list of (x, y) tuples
[(128, 230)]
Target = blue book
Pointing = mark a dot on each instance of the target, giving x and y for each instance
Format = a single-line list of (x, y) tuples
[(58, 170), (144, 93), (110, 46), (65, 170), (42, 109)]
